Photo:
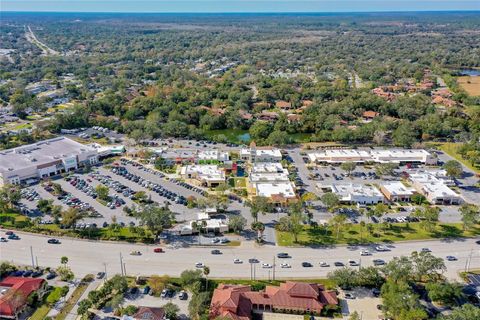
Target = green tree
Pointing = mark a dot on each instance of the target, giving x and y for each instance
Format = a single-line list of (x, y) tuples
[(156, 219), (419, 199), (445, 293), (453, 168), (470, 215), (102, 192), (331, 200), (198, 305), (426, 266), (64, 260), (70, 217), (465, 312), (171, 310), (237, 223), (385, 169), (191, 279), (349, 167), (429, 217), (338, 222), (259, 205), (345, 278), (400, 302)]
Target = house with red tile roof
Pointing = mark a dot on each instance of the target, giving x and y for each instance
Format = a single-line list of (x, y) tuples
[(149, 313), (14, 301), (239, 302), (369, 115), (282, 104)]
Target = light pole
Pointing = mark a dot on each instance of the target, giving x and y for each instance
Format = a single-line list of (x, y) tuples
[(31, 255)]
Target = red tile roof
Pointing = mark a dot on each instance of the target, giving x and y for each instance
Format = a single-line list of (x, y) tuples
[(149, 313), (283, 104), (16, 296), (370, 114), (236, 302)]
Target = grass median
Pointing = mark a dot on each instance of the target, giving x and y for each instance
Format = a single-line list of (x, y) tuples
[(356, 234), (75, 297)]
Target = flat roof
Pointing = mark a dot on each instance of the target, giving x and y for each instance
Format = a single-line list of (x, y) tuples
[(269, 189), (398, 188), (209, 172), (41, 152), (356, 190)]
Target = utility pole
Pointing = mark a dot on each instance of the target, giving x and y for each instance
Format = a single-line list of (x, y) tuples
[(121, 264), (274, 265), (31, 255), (105, 268), (124, 269), (36, 261)]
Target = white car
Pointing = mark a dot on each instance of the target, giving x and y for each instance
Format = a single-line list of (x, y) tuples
[(199, 265), (285, 265), (324, 264), (381, 248), (237, 261), (267, 266), (365, 253)]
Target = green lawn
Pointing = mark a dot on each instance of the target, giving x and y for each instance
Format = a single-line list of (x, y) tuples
[(261, 284), (120, 233), (452, 150), (76, 295), (352, 234), (40, 313)]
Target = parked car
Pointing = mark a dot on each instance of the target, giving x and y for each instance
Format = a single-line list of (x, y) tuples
[(100, 275), (183, 295)]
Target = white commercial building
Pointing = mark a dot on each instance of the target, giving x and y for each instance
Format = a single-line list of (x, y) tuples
[(434, 189), (396, 191), (44, 159), (357, 193), (253, 154), (373, 155), (270, 179), (213, 155), (208, 175), (204, 222)]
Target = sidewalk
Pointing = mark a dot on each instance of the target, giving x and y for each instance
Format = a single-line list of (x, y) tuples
[(92, 286)]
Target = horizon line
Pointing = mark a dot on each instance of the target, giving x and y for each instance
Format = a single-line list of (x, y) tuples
[(240, 12)]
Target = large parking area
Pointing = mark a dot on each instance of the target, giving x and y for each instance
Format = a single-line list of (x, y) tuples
[(123, 181)]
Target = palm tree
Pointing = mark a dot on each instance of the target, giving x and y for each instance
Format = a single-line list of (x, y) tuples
[(206, 272), (338, 221), (259, 227)]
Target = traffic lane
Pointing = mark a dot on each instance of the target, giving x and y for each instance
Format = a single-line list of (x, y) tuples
[(90, 257), (183, 212)]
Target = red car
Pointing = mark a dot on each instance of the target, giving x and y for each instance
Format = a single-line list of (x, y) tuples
[(9, 233), (158, 250)]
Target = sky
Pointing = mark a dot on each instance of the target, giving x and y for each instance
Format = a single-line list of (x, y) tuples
[(238, 5)]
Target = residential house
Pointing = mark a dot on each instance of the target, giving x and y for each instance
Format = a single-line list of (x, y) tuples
[(147, 313)]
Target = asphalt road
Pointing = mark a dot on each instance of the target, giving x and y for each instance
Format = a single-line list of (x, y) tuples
[(90, 257)]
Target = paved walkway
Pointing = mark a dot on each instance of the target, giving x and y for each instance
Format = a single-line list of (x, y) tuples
[(73, 313)]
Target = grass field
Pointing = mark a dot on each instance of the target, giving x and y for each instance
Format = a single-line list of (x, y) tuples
[(470, 84), (353, 234), (451, 149), (40, 313)]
